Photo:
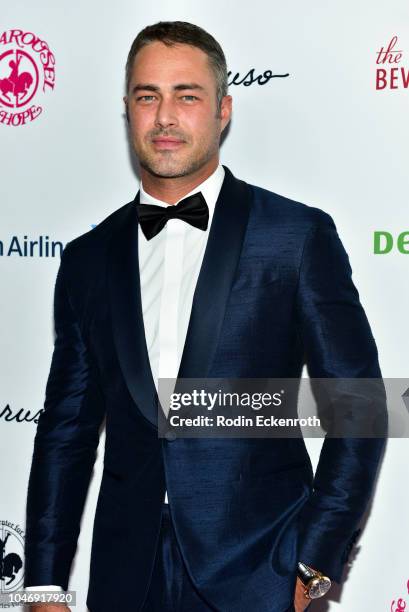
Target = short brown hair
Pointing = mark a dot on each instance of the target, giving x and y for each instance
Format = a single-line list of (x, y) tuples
[(172, 32)]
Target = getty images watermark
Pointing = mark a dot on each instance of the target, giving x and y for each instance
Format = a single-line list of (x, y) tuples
[(283, 408), (30, 598)]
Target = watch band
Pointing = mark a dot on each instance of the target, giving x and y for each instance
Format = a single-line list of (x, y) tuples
[(305, 573)]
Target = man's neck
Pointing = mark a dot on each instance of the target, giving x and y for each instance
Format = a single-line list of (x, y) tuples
[(171, 190)]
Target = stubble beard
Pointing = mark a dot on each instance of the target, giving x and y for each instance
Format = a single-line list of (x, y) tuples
[(168, 164)]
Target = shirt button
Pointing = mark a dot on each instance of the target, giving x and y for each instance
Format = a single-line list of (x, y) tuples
[(170, 436)]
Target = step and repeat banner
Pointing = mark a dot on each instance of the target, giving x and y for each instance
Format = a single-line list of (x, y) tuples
[(320, 115)]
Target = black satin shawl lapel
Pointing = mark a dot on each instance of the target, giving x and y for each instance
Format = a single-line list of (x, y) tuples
[(219, 264), (127, 315)]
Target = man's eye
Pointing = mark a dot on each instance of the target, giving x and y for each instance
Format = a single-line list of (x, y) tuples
[(192, 97), (144, 97)]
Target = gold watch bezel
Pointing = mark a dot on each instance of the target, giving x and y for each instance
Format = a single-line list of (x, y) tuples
[(318, 576)]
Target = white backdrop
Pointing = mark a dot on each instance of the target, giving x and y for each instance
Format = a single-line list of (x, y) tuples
[(324, 135)]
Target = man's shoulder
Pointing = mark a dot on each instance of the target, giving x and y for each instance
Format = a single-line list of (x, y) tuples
[(285, 210), (98, 237)]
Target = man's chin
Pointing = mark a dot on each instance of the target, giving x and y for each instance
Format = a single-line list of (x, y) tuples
[(167, 170)]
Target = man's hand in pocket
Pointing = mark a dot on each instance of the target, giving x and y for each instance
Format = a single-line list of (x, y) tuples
[(300, 600)]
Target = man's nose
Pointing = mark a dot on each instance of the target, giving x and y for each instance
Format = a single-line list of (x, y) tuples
[(166, 114)]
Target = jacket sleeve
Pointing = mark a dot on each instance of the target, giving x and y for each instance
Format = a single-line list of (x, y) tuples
[(338, 345), (64, 448)]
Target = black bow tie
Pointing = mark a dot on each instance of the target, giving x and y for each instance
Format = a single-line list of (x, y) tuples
[(193, 210)]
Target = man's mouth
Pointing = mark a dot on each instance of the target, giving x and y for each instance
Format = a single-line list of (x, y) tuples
[(163, 142)]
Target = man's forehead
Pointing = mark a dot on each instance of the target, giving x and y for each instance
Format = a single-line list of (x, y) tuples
[(158, 57)]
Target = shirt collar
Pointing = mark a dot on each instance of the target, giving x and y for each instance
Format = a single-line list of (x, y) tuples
[(210, 189)]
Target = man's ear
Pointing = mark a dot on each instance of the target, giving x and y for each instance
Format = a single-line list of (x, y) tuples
[(125, 99), (226, 110)]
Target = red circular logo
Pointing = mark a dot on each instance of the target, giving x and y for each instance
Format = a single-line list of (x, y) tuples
[(27, 72)]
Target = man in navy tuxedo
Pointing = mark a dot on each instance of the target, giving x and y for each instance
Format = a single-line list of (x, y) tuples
[(202, 275)]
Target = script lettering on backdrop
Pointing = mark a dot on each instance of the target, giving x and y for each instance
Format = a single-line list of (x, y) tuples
[(399, 605), (251, 77), (391, 76), (19, 416)]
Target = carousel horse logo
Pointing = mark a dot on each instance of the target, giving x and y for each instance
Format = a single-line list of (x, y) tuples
[(19, 87), (11, 559), (27, 70)]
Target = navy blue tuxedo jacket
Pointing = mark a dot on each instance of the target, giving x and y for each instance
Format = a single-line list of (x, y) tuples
[(274, 290)]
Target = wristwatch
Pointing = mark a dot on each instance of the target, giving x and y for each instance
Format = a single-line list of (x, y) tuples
[(316, 584)]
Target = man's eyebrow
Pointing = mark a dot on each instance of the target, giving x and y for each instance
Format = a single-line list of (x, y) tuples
[(188, 86), (179, 87)]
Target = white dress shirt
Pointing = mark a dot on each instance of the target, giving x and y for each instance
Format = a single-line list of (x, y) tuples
[(169, 265)]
